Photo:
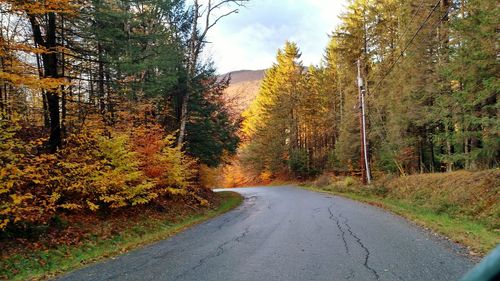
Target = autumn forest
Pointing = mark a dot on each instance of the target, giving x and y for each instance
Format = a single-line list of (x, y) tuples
[(95, 99), (429, 75), (109, 106)]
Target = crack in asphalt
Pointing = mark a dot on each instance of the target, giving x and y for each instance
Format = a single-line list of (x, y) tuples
[(342, 231), (251, 199), (360, 243), (218, 252), (224, 222)]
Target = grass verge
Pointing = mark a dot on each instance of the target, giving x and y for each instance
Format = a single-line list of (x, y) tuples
[(473, 234), (44, 264)]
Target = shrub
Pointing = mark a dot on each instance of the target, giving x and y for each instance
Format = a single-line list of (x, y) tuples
[(92, 172), (162, 161), (348, 181), (266, 176), (119, 182), (25, 192), (323, 180)]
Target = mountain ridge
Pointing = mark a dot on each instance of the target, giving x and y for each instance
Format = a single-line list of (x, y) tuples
[(245, 75), (243, 88)]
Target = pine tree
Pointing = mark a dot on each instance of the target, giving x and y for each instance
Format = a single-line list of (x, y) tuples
[(272, 121), (471, 107)]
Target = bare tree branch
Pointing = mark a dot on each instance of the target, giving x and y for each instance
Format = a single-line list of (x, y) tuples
[(195, 45), (223, 16)]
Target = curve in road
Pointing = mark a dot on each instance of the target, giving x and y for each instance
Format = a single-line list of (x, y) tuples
[(289, 234)]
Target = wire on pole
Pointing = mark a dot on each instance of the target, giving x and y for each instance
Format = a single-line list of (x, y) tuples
[(408, 44)]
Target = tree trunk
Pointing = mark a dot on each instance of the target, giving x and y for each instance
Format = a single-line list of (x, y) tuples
[(191, 69), (79, 99), (449, 165), (109, 100), (49, 59), (102, 107), (91, 88), (63, 88), (46, 117)]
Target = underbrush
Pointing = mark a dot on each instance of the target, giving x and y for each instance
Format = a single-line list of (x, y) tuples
[(104, 181), (99, 170), (466, 194)]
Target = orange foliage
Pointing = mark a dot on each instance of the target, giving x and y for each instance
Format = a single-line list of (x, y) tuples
[(235, 174), (161, 160), (96, 170), (148, 145), (66, 7)]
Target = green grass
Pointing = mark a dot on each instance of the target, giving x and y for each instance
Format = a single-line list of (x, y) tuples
[(49, 263), (478, 237)]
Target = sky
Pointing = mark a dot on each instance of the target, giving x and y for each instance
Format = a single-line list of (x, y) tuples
[(250, 39)]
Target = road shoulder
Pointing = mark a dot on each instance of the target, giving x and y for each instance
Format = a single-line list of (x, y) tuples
[(462, 236), (49, 263)]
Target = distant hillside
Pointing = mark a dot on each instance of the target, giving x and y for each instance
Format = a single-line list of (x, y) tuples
[(245, 75), (243, 89)]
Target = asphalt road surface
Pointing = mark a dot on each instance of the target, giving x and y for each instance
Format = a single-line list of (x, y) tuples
[(289, 234)]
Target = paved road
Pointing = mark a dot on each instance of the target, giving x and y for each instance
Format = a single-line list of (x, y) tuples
[(284, 233)]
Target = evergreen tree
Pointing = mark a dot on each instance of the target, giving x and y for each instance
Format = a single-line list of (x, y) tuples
[(425, 113), (211, 131), (471, 108), (272, 120)]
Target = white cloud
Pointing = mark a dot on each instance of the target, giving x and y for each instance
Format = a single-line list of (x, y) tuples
[(250, 39)]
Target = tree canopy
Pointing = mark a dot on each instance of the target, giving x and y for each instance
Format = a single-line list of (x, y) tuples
[(93, 96), (430, 74)]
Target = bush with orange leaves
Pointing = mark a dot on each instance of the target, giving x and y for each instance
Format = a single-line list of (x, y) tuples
[(92, 172), (161, 160)]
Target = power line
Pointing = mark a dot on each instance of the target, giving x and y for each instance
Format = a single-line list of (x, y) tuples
[(408, 44), (443, 17), (410, 22)]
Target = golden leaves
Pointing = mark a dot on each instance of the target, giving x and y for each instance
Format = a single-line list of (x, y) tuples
[(18, 199), (35, 7), (92, 206), (70, 206), (129, 167), (33, 81)]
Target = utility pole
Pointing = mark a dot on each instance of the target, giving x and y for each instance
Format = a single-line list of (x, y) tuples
[(365, 168)]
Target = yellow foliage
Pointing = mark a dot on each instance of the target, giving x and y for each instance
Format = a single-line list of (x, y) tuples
[(266, 176), (66, 7), (210, 177), (91, 172)]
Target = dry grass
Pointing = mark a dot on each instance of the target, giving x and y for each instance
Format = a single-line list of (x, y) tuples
[(468, 194)]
